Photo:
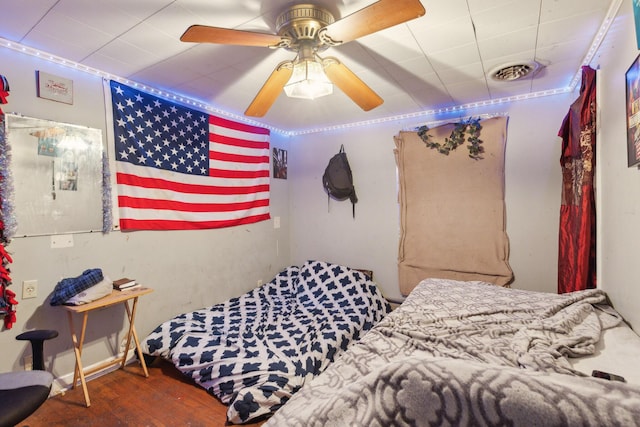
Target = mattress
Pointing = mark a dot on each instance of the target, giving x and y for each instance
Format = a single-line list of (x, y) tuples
[(615, 353), (471, 353), (255, 351)]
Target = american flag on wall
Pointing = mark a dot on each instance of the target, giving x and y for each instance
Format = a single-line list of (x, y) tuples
[(178, 168)]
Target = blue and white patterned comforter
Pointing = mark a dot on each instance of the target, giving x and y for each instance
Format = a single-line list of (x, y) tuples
[(255, 351)]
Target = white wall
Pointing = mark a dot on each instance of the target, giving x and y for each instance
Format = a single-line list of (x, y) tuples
[(187, 269), (620, 185), (533, 187)]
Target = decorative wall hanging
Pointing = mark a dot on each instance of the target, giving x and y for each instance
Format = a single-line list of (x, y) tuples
[(7, 296), (279, 163), (577, 226), (632, 78), (4, 90), (54, 88), (636, 14), (471, 127), (452, 210), (206, 171)]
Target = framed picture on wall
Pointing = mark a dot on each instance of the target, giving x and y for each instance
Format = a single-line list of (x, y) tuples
[(55, 88), (633, 113), (279, 163)]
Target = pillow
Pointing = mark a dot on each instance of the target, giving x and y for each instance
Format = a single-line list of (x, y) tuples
[(99, 290), (66, 288)]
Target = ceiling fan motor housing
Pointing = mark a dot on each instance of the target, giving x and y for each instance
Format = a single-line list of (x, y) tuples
[(302, 22)]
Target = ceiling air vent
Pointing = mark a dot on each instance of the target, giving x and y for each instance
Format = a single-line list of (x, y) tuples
[(511, 72)]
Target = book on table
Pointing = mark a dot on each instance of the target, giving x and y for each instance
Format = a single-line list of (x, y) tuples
[(124, 283), (128, 288)]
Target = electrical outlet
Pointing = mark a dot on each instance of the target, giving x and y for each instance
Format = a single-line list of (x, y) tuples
[(28, 363), (62, 241), (259, 283), (29, 289)]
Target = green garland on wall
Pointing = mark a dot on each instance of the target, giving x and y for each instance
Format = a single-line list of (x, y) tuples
[(471, 127)]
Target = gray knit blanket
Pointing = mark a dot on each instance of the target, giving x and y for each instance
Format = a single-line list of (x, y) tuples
[(470, 353)]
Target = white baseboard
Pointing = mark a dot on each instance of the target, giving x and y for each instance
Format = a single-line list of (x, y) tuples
[(65, 382)]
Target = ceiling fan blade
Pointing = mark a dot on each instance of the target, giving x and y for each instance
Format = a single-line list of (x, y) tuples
[(205, 34), (270, 90), (378, 16), (351, 84)]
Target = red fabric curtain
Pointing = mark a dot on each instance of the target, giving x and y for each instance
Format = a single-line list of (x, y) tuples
[(577, 243)]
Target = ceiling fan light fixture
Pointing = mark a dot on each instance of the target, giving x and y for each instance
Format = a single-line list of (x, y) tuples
[(307, 30), (308, 81)]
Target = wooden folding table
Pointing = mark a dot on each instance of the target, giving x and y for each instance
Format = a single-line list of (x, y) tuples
[(116, 297)]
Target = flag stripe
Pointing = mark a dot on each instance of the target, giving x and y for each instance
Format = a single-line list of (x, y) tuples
[(224, 173), (139, 203), (242, 127), (166, 215), (132, 224), (181, 187), (238, 142), (228, 157), (178, 168)]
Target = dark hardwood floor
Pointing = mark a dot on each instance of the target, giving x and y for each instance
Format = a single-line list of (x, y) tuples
[(127, 398)]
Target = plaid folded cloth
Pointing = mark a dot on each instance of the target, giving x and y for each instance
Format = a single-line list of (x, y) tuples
[(67, 288)]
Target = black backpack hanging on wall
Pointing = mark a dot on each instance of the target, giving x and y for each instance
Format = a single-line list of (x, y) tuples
[(338, 179)]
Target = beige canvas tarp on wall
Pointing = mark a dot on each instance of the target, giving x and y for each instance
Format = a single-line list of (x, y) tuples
[(452, 209)]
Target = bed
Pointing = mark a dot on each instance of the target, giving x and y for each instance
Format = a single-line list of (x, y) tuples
[(472, 353), (255, 351)]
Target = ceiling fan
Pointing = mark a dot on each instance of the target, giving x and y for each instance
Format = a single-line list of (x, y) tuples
[(308, 29)]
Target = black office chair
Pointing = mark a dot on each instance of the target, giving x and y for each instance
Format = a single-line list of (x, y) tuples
[(21, 393)]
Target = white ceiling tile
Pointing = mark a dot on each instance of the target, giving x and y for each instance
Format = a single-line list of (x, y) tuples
[(417, 68), (395, 50), (458, 56), (462, 73), (554, 10), (16, 19), (418, 84), (439, 12), (576, 27), (112, 17), (508, 44), (523, 57), (401, 102), (443, 37), (168, 76), (156, 43), (69, 32), (118, 50), (432, 98), (562, 51), (508, 18), (468, 91), (220, 13), (171, 20), (480, 6), (200, 58)]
